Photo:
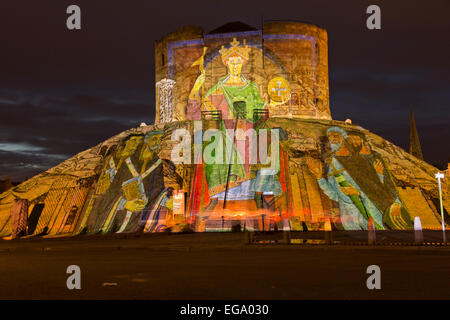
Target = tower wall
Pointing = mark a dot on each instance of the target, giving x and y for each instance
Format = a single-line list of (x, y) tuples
[(295, 52)]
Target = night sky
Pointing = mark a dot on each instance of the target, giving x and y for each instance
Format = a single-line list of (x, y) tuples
[(63, 91)]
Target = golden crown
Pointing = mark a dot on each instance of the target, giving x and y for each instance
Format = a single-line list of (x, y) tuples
[(235, 49)]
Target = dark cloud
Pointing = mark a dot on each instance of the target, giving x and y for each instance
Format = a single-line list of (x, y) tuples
[(64, 91), (44, 128)]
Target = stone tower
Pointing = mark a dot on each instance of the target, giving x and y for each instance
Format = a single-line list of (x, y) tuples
[(414, 142), (287, 62)]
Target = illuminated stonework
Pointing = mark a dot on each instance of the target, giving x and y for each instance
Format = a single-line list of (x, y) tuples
[(165, 98), (285, 62)]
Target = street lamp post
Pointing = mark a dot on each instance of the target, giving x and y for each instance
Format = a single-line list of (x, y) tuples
[(440, 176)]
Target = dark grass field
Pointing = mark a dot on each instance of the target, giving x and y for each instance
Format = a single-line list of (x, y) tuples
[(218, 266)]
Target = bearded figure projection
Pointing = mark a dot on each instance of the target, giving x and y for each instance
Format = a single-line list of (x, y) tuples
[(360, 196), (240, 185)]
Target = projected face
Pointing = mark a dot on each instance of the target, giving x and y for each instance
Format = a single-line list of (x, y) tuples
[(336, 140), (234, 65)]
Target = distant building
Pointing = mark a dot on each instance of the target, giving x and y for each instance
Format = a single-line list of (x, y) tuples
[(414, 142)]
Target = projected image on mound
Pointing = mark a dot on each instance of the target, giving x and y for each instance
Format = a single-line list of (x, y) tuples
[(131, 189)]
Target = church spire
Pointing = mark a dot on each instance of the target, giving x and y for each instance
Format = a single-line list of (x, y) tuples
[(414, 142)]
